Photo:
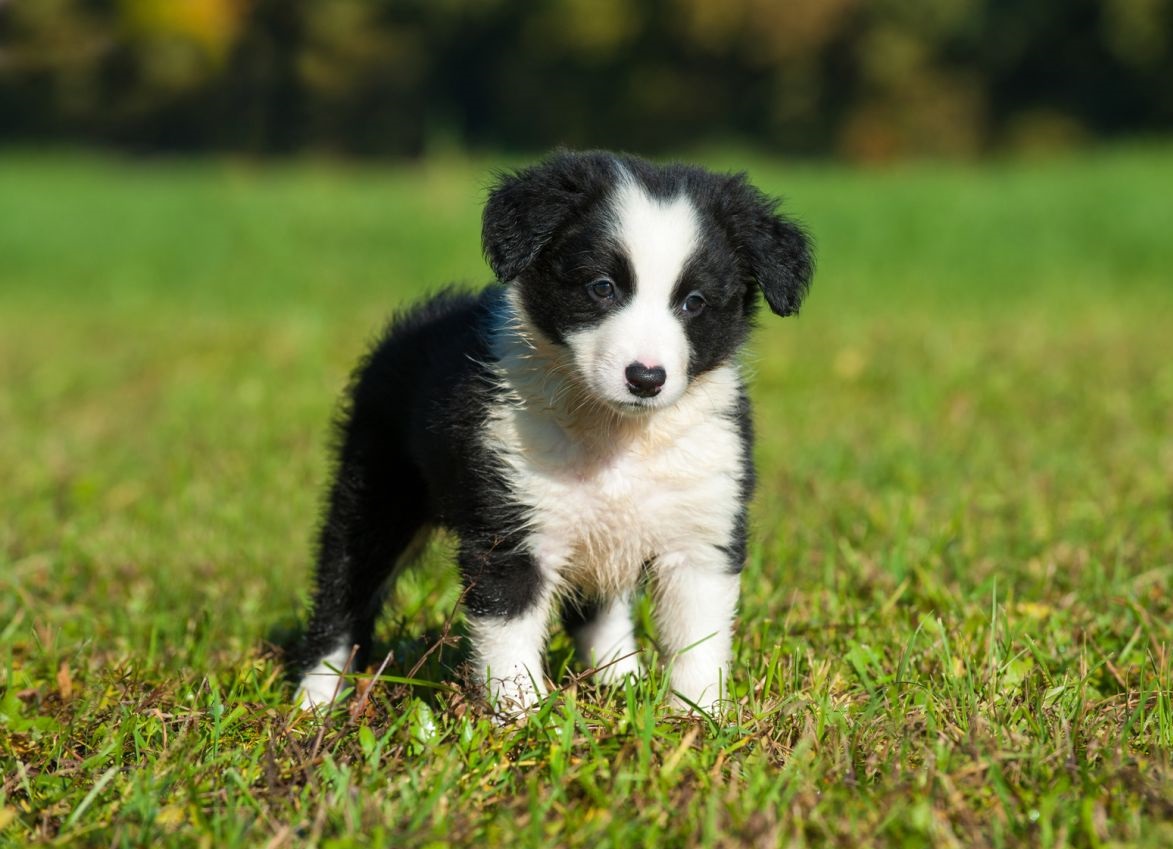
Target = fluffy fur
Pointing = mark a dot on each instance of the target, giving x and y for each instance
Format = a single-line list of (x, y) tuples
[(581, 425)]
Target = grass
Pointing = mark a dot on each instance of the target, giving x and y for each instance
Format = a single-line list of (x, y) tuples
[(957, 615)]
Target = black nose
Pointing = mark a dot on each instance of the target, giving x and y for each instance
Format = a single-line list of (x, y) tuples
[(643, 381)]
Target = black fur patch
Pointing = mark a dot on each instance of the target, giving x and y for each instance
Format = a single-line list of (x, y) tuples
[(410, 456)]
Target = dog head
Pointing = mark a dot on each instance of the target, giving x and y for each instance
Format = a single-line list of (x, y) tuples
[(648, 275)]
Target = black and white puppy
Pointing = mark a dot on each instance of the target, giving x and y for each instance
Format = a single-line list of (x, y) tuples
[(581, 426)]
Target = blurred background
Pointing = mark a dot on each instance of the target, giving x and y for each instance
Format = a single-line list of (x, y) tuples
[(867, 81)]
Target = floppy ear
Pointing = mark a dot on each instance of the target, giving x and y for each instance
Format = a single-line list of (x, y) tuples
[(774, 251), (526, 208)]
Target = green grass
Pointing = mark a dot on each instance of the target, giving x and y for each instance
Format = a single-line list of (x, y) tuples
[(957, 619)]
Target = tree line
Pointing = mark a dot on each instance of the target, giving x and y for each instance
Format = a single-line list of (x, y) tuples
[(867, 80)]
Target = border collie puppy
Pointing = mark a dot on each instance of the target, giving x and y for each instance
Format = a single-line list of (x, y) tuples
[(581, 426)]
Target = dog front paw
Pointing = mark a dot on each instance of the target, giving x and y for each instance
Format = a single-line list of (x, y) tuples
[(513, 698), (699, 687)]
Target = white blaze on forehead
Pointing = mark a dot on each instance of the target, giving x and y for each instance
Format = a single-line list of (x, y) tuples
[(658, 236)]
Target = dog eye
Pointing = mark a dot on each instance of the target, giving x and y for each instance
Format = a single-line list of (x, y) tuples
[(694, 304), (602, 290)]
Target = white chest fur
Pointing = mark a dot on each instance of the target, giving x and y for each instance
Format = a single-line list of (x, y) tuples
[(606, 493)]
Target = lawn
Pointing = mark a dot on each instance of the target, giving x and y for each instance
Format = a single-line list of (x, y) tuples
[(957, 618)]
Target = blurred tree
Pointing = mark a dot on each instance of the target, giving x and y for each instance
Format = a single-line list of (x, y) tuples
[(870, 80)]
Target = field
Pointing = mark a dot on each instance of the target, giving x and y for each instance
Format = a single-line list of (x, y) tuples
[(957, 619)]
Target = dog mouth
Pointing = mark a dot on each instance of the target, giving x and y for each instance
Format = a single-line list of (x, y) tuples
[(635, 407), (621, 399), (629, 405)]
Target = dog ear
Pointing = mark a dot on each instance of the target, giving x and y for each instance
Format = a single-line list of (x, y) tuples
[(526, 208), (775, 251)]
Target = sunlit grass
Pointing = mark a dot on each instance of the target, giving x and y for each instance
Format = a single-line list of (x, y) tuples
[(956, 617)]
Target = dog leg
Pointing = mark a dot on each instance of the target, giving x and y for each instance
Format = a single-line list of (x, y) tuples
[(604, 637), (509, 605), (507, 658), (370, 526), (695, 597)]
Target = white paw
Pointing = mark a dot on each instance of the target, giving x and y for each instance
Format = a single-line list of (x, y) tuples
[(325, 683), (698, 685), (314, 697), (608, 643), (514, 697)]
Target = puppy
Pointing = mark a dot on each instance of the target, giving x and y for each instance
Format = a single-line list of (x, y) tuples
[(581, 426)]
